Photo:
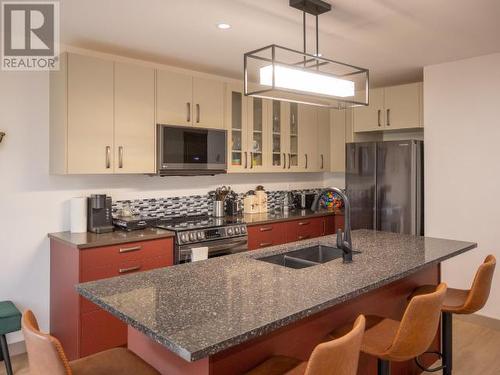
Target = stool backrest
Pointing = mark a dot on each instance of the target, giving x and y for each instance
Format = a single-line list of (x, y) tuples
[(481, 286), (45, 353), (419, 325), (341, 354)]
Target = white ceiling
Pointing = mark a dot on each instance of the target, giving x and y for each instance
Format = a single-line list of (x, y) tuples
[(393, 38)]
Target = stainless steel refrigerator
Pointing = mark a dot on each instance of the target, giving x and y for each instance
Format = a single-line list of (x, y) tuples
[(384, 182)]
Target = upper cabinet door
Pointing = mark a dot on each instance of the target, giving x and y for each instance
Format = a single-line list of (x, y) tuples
[(403, 106), (338, 140), (174, 98), (208, 103), (323, 140), (90, 115), (236, 121), (372, 117), (308, 138), (257, 128), (277, 136), (134, 119)]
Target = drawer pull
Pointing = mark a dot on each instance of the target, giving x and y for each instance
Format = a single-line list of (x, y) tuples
[(129, 249), (266, 229), (129, 269), (304, 237), (301, 223), (264, 244)]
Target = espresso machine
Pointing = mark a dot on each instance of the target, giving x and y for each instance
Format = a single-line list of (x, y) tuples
[(99, 215)]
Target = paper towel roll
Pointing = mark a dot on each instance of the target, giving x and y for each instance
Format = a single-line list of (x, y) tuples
[(199, 253), (78, 214)]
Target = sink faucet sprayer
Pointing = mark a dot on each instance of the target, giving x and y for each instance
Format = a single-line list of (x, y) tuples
[(344, 240)]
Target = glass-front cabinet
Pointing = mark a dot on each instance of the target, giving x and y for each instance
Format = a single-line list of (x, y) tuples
[(257, 126), (246, 124), (236, 116), (293, 137), (277, 135)]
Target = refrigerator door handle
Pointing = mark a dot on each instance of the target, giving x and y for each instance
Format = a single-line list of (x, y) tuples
[(413, 184)]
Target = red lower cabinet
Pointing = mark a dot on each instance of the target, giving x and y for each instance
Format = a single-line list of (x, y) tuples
[(82, 327), (260, 236)]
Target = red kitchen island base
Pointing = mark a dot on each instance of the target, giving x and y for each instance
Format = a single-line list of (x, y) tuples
[(297, 339)]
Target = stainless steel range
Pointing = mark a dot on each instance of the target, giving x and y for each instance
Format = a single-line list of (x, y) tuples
[(222, 236)]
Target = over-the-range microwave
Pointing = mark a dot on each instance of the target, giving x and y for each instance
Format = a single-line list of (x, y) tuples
[(190, 151)]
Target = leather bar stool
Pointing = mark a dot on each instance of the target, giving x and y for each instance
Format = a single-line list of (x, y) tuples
[(391, 340), (336, 357), (458, 301), (46, 356)]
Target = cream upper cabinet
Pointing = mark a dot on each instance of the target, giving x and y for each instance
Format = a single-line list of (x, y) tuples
[(257, 144), (371, 117), (185, 100), (403, 106), (208, 103), (89, 115), (323, 141), (277, 135), (391, 108), (308, 138), (174, 97), (338, 139), (237, 129), (134, 130)]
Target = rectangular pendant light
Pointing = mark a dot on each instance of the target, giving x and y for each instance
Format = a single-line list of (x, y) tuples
[(280, 73), (308, 81)]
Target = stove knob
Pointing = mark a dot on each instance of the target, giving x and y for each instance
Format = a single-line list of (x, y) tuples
[(184, 237), (236, 230), (243, 229), (230, 231), (192, 236), (200, 235)]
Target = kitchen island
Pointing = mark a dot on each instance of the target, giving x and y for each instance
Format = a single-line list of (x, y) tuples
[(227, 314)]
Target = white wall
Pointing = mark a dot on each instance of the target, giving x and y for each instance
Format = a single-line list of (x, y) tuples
[(462, 160), (33, 203)]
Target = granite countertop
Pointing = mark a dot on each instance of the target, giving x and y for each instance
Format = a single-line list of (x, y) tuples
[(198, 309), (280, 216), (89, 240)]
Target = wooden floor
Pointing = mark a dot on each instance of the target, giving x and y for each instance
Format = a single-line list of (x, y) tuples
[(476, 351)]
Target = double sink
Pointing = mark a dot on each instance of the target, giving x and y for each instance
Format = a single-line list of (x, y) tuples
[(306, 257)]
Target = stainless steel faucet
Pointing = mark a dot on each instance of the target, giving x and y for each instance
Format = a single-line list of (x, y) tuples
[(344, 239)]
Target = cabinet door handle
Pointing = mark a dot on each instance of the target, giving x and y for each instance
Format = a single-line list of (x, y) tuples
[(284, 161), (266, 229), (378, 114), (251, 160), (129, 249), (306, 160), (129, 269), (301, 223), (388, 117), (322, 161), (289, 158), (108, 157), (198, 113), (304, 237), (246, 160), (264, 244), (188, 108), (120, 157)]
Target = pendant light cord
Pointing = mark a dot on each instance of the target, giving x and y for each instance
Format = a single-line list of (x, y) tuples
[(304, 32)]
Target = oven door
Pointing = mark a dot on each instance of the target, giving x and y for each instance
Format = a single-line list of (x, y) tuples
[(216, 248), (191, 151)]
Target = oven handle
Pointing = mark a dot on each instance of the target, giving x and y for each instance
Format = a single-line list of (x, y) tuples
[(226, 246)]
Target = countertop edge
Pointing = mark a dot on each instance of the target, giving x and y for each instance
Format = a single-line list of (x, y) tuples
[(271, 326), (83, 246), (294, 218)]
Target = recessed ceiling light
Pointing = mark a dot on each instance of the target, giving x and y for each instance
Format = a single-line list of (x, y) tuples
[(223, 26)]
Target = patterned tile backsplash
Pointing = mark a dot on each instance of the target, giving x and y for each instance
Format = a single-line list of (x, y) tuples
[(192, 205)]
